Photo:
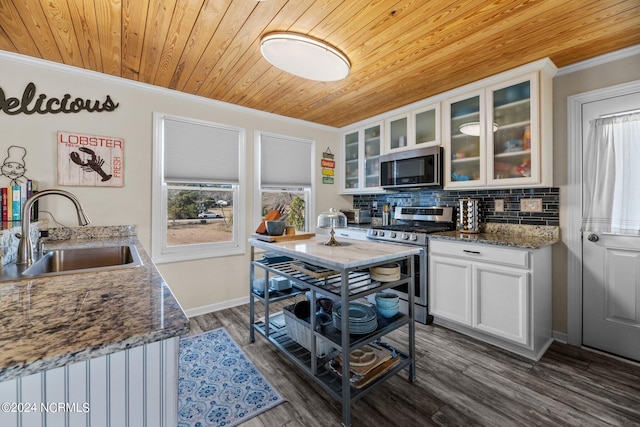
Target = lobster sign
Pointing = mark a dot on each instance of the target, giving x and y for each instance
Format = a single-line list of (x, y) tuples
[(90, 160)]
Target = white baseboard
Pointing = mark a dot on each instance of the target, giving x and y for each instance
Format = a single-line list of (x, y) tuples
[(560, 336), (193, 312)]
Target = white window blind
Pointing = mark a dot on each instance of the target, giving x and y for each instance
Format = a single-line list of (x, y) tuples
[(195, 151), (285, 162)]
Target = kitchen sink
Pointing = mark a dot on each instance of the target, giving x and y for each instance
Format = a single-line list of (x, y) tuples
[(84, 260)]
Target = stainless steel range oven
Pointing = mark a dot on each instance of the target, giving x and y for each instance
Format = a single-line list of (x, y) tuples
[(411, 227)]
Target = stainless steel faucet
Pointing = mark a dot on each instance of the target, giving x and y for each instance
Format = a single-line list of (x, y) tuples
[(25, 248)]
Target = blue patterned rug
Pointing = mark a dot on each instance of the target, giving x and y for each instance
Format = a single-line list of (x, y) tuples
[(218, 384)]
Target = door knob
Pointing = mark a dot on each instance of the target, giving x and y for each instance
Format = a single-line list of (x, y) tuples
[(593, 237)]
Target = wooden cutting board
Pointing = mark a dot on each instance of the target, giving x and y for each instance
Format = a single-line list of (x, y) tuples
[(284, 238)]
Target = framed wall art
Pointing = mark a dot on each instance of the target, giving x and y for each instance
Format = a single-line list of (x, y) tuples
[(90, 160)]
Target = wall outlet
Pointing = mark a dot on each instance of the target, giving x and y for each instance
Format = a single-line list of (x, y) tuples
[(498, 205), (531, 205)]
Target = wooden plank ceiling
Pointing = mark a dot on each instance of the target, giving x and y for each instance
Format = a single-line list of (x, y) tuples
[(401, 51)]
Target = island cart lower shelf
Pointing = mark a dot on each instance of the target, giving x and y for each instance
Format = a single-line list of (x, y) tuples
[(327, 379), (345, 278)]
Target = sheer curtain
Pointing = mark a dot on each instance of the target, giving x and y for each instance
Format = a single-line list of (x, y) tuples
[(611, 182)]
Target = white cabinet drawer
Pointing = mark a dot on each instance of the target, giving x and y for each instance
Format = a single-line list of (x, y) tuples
[(481, 252), (351, 233)]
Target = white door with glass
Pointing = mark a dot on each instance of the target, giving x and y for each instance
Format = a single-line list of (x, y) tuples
[(611, 226)]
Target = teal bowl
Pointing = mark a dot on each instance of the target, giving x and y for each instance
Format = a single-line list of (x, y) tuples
[(386, 300), (388, 312)]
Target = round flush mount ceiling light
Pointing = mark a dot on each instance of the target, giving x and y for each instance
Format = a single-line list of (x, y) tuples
[(304, 56)]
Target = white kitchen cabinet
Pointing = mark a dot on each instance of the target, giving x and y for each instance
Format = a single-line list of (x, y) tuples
[(500, 302), (500, 135), (498, 294), (450, 289), (360, 150), (415, 129), (426, 126), (397, 134)]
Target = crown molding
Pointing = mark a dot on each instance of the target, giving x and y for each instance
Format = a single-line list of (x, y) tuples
[(599, 60)]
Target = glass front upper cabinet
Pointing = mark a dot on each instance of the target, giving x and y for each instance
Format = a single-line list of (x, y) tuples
[(415, 129), (466, 140), (372, 156), (351, 161), (398, 132), (361, 148), (493, 137), (426, 124), (513, 156)]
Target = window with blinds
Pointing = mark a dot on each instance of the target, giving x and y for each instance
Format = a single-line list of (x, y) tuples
[(198, 176), (285, 177)]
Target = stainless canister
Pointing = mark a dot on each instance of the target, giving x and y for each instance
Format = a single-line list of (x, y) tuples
[(386, 218), (469, 215)]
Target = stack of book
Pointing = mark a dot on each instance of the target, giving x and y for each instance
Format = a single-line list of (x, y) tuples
[(13, 198)]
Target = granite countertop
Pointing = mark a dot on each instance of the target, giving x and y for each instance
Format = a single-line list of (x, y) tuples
[(513, 235), (54, 321), (350, 254)]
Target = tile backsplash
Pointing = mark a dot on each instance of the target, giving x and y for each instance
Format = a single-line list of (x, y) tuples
[(511, 213)]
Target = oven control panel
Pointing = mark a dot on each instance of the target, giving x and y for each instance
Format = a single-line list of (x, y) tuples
[(413, 225), (397, 236)]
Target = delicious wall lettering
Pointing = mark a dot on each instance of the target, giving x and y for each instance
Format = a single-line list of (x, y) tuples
[(29, 104)]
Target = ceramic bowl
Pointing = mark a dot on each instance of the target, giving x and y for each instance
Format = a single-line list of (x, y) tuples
[(388, 312), (275, 228), (386, 300)]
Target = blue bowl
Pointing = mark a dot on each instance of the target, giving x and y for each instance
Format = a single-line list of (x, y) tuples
[(386, 299), (388, 311)]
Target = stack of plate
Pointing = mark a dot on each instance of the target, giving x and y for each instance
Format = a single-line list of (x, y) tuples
[(362, 318)]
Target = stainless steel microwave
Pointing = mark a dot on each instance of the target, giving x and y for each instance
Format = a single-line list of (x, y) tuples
[(413, 168)]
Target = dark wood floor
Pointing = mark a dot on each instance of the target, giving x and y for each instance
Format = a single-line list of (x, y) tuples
[(461, 382)]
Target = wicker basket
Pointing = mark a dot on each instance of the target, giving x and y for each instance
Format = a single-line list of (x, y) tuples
[(300, 332)]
